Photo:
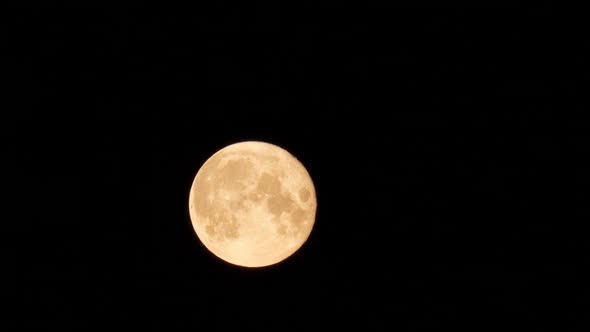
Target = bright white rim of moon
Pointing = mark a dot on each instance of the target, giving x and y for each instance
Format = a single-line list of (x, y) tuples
[(252, 204)]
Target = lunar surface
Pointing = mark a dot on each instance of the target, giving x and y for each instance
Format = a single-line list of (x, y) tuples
[(252, 204)]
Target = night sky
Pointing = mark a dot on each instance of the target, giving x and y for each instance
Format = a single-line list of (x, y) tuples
[(447, 148)]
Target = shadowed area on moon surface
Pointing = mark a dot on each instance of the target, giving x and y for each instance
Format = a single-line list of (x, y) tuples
[(258, 202)]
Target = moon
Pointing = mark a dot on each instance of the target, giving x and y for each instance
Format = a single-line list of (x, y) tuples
[(252, 204)]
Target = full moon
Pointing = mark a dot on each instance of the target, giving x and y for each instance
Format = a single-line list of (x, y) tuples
[(252, 204)]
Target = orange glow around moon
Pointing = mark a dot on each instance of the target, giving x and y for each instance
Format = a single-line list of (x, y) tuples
[(252, 204)]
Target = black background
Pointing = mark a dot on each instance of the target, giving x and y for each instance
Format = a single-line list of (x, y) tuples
[(447, 147)]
